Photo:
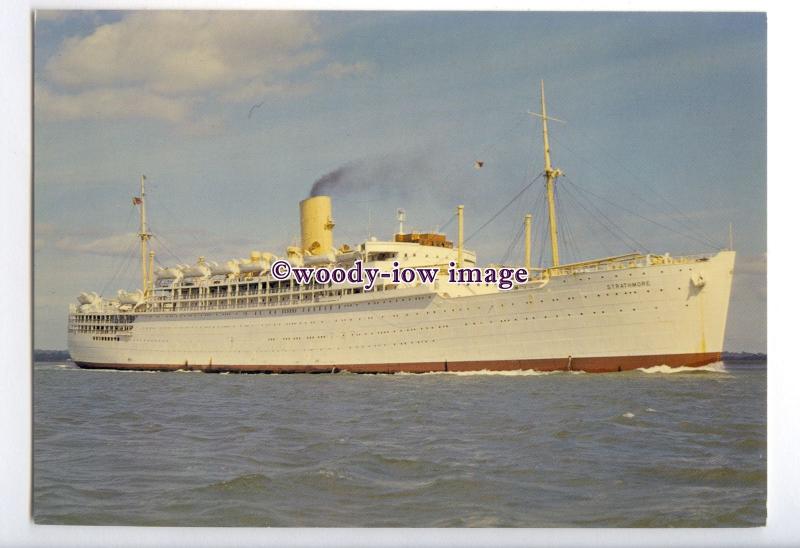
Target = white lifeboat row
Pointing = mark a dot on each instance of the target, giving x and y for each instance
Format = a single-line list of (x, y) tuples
[(204, 269), (257, 264)]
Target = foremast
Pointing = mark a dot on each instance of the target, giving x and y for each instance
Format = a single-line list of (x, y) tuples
[(551, 175), (144, 234)]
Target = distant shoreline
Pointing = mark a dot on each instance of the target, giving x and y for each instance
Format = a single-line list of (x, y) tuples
[(50, 355), (744, 357), (62, 355)]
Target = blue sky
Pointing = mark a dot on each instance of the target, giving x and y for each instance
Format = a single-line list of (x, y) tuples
[(665, 135)]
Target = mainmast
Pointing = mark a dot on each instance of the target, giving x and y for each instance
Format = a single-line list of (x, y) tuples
[(551, 175), (144, 235)]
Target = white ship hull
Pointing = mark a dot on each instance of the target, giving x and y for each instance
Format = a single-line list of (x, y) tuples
[(607, 320)]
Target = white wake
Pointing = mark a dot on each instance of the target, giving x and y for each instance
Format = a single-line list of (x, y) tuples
[(716, 367)]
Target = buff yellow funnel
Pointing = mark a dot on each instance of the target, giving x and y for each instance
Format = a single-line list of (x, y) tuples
[(316, 225)]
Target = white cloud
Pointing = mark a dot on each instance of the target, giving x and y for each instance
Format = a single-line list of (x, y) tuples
[(117, 244), (108, 103), (172, 52), (257, 89), (165, 64)]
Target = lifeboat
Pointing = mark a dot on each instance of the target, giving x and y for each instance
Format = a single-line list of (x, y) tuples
[(169, 273), (200, 270), (348, 257), (88, 298), (253, 267), (130, 297), (223, 269), (324, 258)]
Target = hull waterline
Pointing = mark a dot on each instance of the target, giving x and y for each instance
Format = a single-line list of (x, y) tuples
[(599, 364)]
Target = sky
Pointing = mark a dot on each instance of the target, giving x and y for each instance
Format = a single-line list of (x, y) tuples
[(234, 115)]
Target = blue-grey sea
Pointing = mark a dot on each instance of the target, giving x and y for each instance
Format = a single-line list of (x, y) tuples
[(653, 448)]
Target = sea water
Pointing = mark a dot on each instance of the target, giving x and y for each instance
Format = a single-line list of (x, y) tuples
[(646, 448)]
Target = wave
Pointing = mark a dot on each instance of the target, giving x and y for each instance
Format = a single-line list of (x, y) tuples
[(728, 475), (716, 367), (245, 482)]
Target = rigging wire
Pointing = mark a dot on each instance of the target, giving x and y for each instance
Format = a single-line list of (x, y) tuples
[(685, 217), (515, 234), (567, 195), (130, 275), (517, 228), (524, 209), (123, 256), (445, 225), (683, 220), (122, 265), (163, 206), (689, 236), (120, 275), (513, 244), (502, 209), (166, 248), (637, 245), (570, 242), (482, 153), (620, 235), (542, 235), (447, 177)]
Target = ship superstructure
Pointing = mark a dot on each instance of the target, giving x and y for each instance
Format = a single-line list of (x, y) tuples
[(610, 314)]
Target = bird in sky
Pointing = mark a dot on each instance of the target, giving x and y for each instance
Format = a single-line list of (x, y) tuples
[(249, 114)]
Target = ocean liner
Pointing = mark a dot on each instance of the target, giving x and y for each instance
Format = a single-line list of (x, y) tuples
[(610, 314)]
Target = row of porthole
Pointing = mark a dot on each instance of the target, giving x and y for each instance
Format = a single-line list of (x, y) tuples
[(461, 309), (444, 326), (412, 329), (370, 318), (630, 274)]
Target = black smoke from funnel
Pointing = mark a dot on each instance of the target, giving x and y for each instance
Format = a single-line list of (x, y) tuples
[(328, 182), (397, 174)]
